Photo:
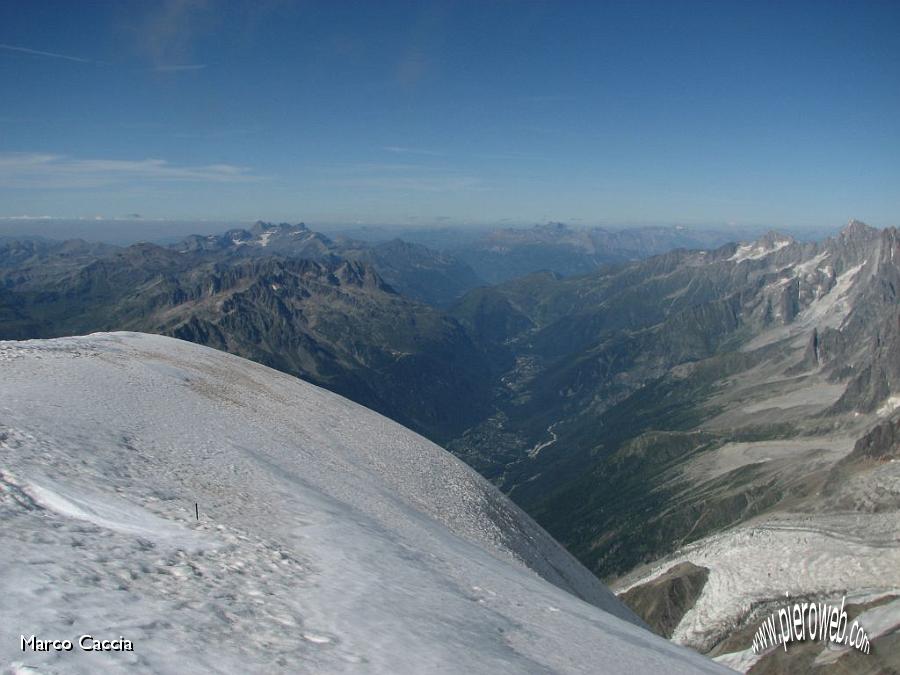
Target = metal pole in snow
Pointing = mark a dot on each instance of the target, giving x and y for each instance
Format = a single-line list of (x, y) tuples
[(197, 510)]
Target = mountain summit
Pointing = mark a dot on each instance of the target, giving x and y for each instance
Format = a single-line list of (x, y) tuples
[(326, 538)]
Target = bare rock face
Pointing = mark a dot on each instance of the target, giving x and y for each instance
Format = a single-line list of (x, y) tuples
[(663, 601), (332, 321), (880, 444)]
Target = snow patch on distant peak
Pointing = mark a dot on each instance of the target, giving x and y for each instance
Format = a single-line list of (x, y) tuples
[(890, 405), (855, 227), (811, 265), (832, 308), (759, 249)]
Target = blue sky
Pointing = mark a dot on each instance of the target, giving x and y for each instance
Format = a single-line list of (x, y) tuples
[(777, 113)]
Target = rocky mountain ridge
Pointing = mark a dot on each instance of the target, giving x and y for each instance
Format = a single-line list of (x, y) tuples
[(703, 407), (335, 322)]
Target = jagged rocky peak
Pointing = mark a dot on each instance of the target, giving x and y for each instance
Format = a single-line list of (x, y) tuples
[(261, 227), (773, 238), (856, 244), (239, 235), (360, 274), (262, 234), (856, 228), (770, 242), (890, 249)]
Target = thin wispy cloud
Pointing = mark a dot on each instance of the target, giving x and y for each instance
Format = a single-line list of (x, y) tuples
[(167, 30), (412, 68), (162, 68), (420, 58), (168, 33), (39, 170), (52, 55)]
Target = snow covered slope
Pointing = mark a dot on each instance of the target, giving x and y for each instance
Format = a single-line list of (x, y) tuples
[(329, 540)]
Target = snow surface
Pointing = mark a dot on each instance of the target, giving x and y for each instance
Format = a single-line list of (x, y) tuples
[(827, 311), (330, 539), (741, 661), (833, 308), (890, 405), (757, 250)]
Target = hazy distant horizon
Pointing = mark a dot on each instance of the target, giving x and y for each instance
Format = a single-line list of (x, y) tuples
[(125, 231)]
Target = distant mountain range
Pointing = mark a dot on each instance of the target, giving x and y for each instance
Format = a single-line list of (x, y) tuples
[(670, 419), (502, 254), (712, 411), (412, 269), (505, 254), (340, 312), (299, 308)]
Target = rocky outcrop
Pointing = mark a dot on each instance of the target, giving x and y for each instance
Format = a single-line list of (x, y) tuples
[(662, 602)]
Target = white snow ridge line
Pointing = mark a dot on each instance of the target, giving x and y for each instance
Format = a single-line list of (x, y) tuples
[(330, 539)]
